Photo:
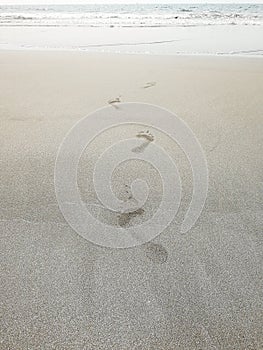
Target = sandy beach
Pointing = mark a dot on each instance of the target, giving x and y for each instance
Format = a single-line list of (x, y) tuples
[(201, 290)]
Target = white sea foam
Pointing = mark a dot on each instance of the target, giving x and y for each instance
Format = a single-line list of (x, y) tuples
[(132, 15)]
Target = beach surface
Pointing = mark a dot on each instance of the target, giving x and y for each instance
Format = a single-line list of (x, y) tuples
[(199, 290), (236, 40)]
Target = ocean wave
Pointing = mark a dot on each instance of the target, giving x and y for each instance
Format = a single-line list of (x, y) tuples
[(131, 15)]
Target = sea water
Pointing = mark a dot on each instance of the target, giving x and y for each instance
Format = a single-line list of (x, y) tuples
[(135, 28), (132, 15)]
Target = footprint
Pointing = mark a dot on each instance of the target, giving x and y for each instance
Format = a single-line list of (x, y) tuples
[(141, 148), (149, 84), (148, 138), (114, 101), (125, 218), (156, 253), (146, 135), (128, 191)]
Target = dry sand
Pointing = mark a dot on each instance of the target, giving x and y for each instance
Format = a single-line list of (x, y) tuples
[(202, 290)]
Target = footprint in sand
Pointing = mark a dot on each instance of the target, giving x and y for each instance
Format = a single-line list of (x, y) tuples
[(156, 253), (114, 101), (147, 136), (128, 191), (125, 218), (149, 84)]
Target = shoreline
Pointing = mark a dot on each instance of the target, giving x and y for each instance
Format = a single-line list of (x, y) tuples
[(239, 40), (175, 55)]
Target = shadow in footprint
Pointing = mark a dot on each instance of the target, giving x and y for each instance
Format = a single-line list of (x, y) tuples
[(113, 102), (156, 253), (149, 84), (125, 218), (141, 148)]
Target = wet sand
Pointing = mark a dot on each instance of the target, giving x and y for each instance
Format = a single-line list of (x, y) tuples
[(187, 40), (201, 290)]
